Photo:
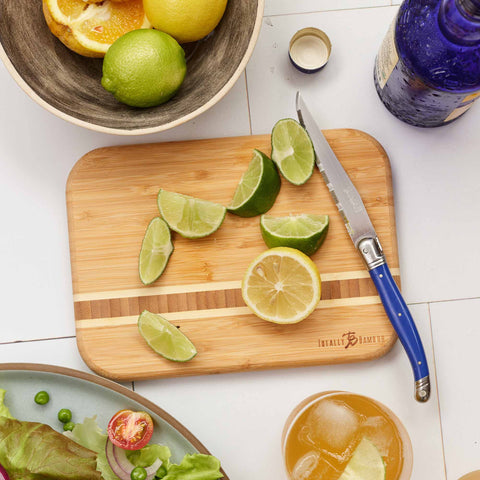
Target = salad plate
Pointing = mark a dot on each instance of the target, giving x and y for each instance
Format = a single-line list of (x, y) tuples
[(87, 395)]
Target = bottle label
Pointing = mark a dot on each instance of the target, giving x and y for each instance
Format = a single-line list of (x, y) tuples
[(387, 57), (467, 102)]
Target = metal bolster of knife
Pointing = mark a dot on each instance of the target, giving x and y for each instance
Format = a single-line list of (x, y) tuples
[(372, 252), (422, 389)]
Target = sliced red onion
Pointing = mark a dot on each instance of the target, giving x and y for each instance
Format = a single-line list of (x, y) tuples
[(121, 465), (4, 474)]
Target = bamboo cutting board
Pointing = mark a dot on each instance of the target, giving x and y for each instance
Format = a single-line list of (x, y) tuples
[(111, 197)]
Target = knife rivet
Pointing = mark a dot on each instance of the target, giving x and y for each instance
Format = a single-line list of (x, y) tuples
[(399, 314), (381, 275), (419, 363)]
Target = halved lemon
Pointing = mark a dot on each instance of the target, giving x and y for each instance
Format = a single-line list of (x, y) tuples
[(282, 285), (90, 28)]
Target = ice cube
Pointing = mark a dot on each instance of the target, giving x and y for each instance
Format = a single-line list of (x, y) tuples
[(305, 466), (312, 466), (381, 432), (333, 426)]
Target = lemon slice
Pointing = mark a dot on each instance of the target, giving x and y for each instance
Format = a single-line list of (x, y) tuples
[(156, 250), (282, 285), (188, 216), (164, 338), (258, 187), (303, 232), (292, 151), (365, 464)]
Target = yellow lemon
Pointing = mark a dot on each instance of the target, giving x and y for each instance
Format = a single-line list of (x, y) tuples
[(185, 20), (282, 285)]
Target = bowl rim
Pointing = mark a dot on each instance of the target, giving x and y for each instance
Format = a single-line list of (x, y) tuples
[(143, 131)]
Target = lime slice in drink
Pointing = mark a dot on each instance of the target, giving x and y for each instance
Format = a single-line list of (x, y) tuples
[(258, 187), (156, 250), (365, 464), (188, 216), (164, 338), (292, 151), (303, 232), (282, 285)]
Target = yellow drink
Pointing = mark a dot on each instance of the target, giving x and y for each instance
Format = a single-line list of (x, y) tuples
[(472, 476), (322, 432)]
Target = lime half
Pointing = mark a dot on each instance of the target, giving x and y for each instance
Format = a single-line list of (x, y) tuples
[(303, 232), (164, 338), (292, 151), (156, 250), (188, 216), (282, 285), (258, 187), (365, 464)]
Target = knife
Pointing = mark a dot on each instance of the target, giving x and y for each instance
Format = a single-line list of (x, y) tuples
[(362, 233)]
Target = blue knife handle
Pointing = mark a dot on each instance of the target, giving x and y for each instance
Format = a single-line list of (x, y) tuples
[(403, 323)]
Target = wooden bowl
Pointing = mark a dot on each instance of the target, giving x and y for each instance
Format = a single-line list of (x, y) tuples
[(68, 84)]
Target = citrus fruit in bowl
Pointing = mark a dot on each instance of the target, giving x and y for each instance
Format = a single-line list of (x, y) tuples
[(69, 85)]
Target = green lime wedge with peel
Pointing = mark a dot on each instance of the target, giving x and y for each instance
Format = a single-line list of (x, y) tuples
[(258, 187), (365, 464), (292, 151), (188, 216), (303, 232), (156, 250), (164, 338)]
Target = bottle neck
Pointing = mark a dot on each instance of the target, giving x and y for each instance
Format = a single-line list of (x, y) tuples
[(460, 21)]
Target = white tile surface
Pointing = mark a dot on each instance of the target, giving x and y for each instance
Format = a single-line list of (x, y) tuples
[(61, 351), (241, 416), (282, 7), (435, 171), (456, 332), (37, 151)]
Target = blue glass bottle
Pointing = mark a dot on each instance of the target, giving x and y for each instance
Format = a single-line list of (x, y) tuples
[(427, 72)]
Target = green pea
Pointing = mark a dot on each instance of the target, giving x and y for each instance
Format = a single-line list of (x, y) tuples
[(64, 415), (42, 398), (138, 473), (161, 472), (69, 426)]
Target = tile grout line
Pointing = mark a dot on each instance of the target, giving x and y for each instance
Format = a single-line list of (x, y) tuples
[(248, 103), (329, 10), (438, 393)]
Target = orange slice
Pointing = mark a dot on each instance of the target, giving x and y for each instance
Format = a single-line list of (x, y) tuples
[(90, 28)]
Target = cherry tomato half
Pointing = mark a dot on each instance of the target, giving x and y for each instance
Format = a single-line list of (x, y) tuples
[(130, 430)]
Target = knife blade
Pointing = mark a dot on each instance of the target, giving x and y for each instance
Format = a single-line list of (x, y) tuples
[(364, 237)]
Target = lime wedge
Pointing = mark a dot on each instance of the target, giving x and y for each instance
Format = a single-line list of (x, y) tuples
[(303, 232), (164, 338), (188, 216), (365, 464), (292, 151), (282, 285), (156, 250), (258, 187)]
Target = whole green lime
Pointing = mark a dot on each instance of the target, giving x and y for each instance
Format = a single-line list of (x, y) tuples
[(144, 68)]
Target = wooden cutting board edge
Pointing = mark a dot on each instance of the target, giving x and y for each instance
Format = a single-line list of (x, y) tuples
[(378, 352)]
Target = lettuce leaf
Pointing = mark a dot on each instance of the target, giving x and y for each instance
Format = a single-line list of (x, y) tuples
[(90, 435), (147, 455), (34, 451), (4, 412), (195, 467)]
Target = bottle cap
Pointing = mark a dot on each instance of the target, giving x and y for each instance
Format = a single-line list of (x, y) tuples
[(309, 50)]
